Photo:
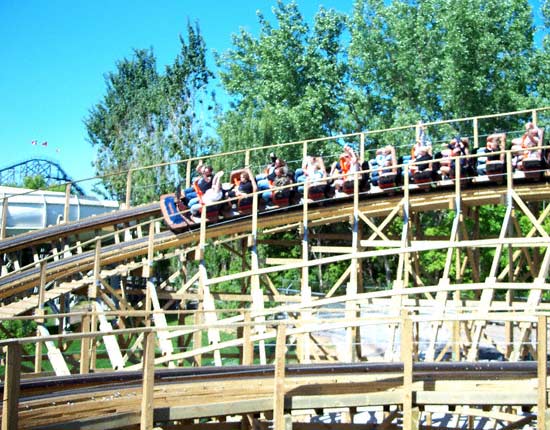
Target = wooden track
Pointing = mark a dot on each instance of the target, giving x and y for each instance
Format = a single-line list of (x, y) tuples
[(267, 311), (329, 212), (50, 234), (109, 401)]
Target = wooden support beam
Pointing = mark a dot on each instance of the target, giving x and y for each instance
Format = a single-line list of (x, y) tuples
[(476, 133), (129, 189), (148, 387), (54, 354), (159, 320), (378, 229), (148, 266), (188, 170), (67, 208), (404, 264), (4, 217), (339, 282), (10, 403), (279, 383), (280, 261), (259, 328), (542, 371), (93, 288), (109, 340), (39, 311), (407, 359), (304, 341), (517, 199), (211, 319), (85, 345), (248, 347)]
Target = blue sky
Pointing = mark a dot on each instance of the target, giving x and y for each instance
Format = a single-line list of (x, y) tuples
[(55, 54)]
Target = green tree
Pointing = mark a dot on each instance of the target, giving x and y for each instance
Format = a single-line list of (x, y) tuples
[(147, 118), (541, 63), (287, 84), (438, 59), (35, 182), (15, 329), (38, 182)]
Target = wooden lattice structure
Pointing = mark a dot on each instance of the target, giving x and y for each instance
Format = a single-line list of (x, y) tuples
[(490, 293)]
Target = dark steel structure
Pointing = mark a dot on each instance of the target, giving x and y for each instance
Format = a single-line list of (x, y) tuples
[(52, 173)]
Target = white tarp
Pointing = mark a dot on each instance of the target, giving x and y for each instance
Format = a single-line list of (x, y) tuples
[(33, 210)]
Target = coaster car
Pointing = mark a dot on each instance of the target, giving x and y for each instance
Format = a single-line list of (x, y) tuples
[(175, 213)]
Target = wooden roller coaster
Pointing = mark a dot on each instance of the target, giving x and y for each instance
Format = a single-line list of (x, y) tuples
[(136, 328)]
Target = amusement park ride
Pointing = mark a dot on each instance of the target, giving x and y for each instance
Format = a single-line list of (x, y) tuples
[(137, 324)]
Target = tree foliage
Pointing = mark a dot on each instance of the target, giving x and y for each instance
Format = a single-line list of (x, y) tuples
[(38, 182), (438, 59), (288, 83), (389, 63), (147, 117), (541, 62)]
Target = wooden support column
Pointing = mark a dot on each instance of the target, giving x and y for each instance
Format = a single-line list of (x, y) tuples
[(476, 133), (405, 232), (542, 372), (248, 347), (93, 291), (128, 188), (444, 281), (360, 290), (476, 254), (4, 217), (12, 377), (85, 345), (509, 325), (456, 340), (199, 314), (304, 352), (182, 316), (279, 385), (407, 359), (40, 312), (362, 147), (352, 308), (509, 178), (188, 174), (148, 273), (401, 266), (417, 233), (148, 387), (244, 265), (533, 301), (64, 307), (255, 290), (67, 208), (210, 320)]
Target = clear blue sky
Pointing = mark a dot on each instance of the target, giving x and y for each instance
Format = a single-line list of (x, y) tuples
[(55, 54)]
